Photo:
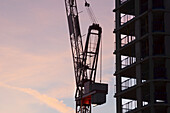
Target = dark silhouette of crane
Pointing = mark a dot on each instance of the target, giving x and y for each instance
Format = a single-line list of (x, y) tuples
[(85, 60)]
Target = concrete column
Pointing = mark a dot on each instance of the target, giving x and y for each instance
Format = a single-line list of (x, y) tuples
[(117, 2), (151, 64), (152, 97), (150, 40), (118, 39), (168, 84), (118, 60), (138, 56), (167, 30), (117, 14), (167, 2), (119, 104), (118, 99), (167, 49)]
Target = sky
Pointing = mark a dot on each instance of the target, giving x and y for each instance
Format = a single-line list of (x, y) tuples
[(36, 67)]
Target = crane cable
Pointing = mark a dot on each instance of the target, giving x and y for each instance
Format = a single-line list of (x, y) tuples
[(90, 13)]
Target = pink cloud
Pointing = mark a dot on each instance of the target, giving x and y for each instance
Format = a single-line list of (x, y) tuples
[(49, 101), (24, 69)]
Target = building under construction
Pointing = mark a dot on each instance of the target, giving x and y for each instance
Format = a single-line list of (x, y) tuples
[(142, 56)]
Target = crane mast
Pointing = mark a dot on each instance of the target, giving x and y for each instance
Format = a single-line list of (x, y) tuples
[(85, 61)]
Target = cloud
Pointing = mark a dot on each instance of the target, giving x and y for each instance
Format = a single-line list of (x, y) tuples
[(66, 91), (45, 73), (49, 101)]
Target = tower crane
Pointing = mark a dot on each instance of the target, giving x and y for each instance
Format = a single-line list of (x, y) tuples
[(85, 60)]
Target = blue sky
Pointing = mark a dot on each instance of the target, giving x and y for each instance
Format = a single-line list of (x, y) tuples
[(36, 69)]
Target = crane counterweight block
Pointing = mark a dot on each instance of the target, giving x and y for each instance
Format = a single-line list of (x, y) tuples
[(97, 92)]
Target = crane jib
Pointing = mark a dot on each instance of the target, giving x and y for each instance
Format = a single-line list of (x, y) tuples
[(74, 28)]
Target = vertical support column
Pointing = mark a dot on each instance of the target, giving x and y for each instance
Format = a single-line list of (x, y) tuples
[(118, 39), (138, 56), (150, 18), (118, 59), (118, 98), (150, 40), (168, 84), (152, 97), (151, 62), (167, 49)]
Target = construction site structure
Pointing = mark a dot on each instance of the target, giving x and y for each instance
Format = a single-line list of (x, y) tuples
[(142, 56), (85, 60)]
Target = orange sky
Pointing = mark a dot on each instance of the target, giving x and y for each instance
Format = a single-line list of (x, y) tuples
[(36, 69)]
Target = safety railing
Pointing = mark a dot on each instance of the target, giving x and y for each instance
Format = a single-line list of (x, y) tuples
[(128, 61), (128, 83), (125, 18), (126, 40), (129, 106)]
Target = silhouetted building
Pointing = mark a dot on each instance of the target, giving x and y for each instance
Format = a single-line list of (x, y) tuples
[(142, 56)]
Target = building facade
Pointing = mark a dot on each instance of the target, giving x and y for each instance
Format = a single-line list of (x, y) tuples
[(142, 56)]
